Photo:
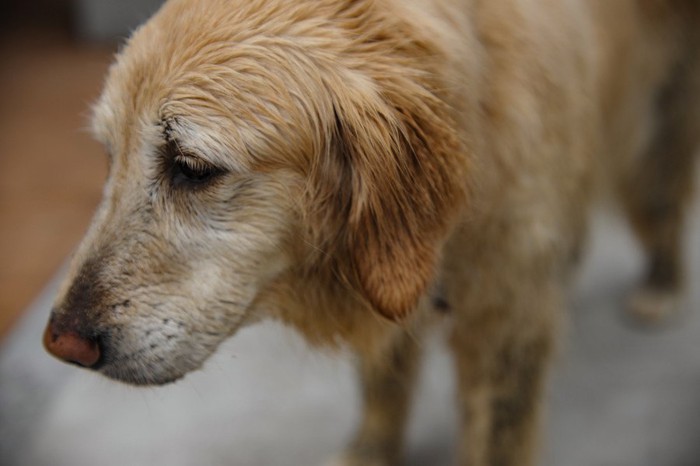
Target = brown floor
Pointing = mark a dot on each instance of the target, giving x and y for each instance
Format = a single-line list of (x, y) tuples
[(51, 172)]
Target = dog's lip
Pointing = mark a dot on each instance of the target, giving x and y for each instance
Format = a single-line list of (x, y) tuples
[(125, 376), (126, 369), (102, 340)]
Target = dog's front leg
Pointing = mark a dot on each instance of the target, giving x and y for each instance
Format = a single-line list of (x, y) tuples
[(386, 385), (502, 357)]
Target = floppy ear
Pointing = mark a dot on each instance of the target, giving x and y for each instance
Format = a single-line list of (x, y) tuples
[(396, 174)]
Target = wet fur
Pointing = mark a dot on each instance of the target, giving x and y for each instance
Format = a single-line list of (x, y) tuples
[(383, 164)]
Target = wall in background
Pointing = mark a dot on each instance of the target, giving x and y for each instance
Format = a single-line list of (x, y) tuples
[(109, 19)]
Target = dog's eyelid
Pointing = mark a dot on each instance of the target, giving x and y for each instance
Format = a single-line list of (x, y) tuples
[(180, 137), (188, 169), (194, 161), (174, 151)]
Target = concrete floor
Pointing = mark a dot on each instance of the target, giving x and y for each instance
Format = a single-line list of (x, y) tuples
[(621, 395)]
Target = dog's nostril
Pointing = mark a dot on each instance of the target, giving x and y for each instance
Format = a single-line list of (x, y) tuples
[(71, 347)]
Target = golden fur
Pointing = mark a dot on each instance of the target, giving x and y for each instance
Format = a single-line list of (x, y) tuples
[(358, 168)]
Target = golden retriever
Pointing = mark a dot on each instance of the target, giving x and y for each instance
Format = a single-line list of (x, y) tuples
[(359, 168)]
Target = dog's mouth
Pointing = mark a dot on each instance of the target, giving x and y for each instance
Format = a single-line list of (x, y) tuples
[(109, 354), (144, 364), (151, 344), (138, 376), (137, 367)]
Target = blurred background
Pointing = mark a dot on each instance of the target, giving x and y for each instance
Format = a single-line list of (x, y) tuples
[(53, 57), (620, 395)]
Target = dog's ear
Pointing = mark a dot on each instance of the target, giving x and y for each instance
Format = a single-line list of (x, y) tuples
[(394, 179)]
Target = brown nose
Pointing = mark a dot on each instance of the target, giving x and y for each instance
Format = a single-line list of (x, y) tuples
[(71, 347)]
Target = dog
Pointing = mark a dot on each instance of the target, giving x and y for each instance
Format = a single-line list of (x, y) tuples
[(361, 169)]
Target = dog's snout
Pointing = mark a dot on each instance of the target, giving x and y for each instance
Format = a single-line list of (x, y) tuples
[(71, 334), (71, 347)]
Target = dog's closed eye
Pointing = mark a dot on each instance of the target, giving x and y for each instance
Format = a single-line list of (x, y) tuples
[(188, 169)]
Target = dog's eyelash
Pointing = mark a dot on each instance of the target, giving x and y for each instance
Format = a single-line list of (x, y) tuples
[(193, 171), (192, 164), (188, 170)]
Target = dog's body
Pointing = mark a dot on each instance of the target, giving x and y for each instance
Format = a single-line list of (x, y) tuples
[(323, 162)]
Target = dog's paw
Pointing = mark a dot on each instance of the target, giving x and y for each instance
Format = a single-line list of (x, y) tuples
[(652, 306)]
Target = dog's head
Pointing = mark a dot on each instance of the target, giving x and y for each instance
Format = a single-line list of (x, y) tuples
[(248, 140)]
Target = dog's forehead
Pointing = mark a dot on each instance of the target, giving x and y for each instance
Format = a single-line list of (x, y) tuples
[(248, 93)]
